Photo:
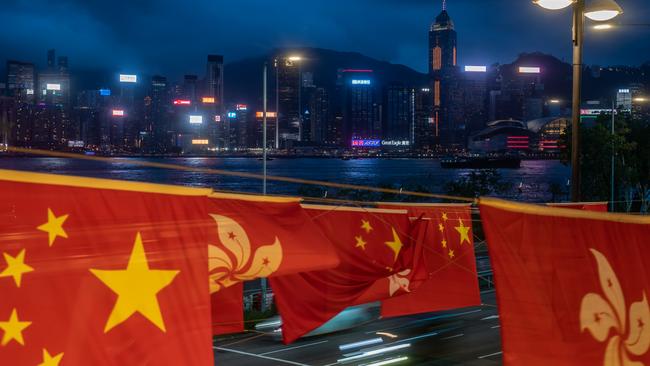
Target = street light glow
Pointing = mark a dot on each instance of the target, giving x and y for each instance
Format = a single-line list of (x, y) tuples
[(554, 4), (603, 26), (602, 10), (294, 58), (640, 99), (554, 101)]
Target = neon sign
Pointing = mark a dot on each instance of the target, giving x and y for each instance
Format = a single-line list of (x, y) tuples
[(476, 68), (182, 102), (124, 78), (360, 82), (241, 107), (366, 143), (529, 70), (232, 115), (195, 120), (118, 112), (53, 86), (104, 92), (208, 100)]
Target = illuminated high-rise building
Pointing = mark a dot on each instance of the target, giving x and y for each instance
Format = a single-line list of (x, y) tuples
[(399, 122), (445, 81), (288, 94), (358, 106)]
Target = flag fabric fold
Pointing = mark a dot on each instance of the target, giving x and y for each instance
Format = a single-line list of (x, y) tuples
[(372, 245), (450, 276), (101, 272), (572, 286)]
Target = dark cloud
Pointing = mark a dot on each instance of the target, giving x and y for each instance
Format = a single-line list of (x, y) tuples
[(172, 36)]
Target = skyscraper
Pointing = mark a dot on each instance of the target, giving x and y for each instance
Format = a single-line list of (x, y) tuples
[(214, 81), (358, 106), (445, 83), (399, 124), (288, 89)]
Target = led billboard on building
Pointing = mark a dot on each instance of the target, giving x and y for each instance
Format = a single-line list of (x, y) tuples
[(268, 114), (118, 112), (242, 107), (529, 70), (125, 78), (182, 102), (208, 100), (476, 68), (53, 86), (360, 82), (232, 115), (196, 120), (105, 92), (366, 143), (200, 142)]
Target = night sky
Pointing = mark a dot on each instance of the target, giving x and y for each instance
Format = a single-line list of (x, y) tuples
[(173, 37)]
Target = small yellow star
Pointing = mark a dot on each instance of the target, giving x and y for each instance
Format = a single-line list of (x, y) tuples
[(49, 360), (444, 243), (441, 227), (136, 287), (360, 242), (396, 245), (451, 254), (444, 216), (16, 267), (54, 226), (365, 225), (463, 231), (13, 329)]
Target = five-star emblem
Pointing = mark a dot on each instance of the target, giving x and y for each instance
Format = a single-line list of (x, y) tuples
[(451, 254), (54, 226), (13, 329), (444, 243), (360, 242), (16, 267), (49, 360), (365, 225), (441, 227), (463, 231), (137, 288), (396, 244), (444, 216)]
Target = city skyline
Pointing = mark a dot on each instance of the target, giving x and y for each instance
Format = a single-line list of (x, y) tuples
[(105, 40)]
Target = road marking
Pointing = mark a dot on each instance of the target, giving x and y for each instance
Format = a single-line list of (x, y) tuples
[(490, 355), (260, 356), (454, 336), (491, 317), (418, 337), (292, 348), (496, 326), (444, 316)]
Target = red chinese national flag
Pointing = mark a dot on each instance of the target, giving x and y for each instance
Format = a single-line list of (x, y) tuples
[(370, 244), (254, 237), (451, 280), (99, 272), (572, 286)]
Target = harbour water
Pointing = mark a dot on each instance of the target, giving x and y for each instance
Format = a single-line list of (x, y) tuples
[(532, 182)]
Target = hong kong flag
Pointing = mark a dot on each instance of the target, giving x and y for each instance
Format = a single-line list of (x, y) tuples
[(99, 272), (450, 277), (572, 286), (370, 244), (257, 237)]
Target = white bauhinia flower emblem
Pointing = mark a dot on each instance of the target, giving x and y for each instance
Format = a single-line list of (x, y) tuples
[(399, 281), (600, 314)]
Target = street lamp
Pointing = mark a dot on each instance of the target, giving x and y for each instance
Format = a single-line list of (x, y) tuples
[(603, 10), (599, 10)]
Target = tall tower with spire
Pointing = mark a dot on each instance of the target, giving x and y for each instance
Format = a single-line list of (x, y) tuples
[(445, 81)]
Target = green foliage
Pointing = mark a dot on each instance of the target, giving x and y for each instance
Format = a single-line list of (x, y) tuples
[(630, 146)]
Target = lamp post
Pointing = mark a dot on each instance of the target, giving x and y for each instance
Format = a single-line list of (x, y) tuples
[(598, 10)]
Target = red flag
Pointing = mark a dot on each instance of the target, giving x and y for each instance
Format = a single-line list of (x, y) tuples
[(228, 310), (257, 236), (451, 277), (369, 243), (586, 206), (100, 272), (571, 285)]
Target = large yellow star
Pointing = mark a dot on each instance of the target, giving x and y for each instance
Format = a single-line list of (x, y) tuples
[(13, 329), (365, 225), (463, 231), (360, 242), (54, 226), (16, 267), (137, 288), (396, 245), (49, 360)]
